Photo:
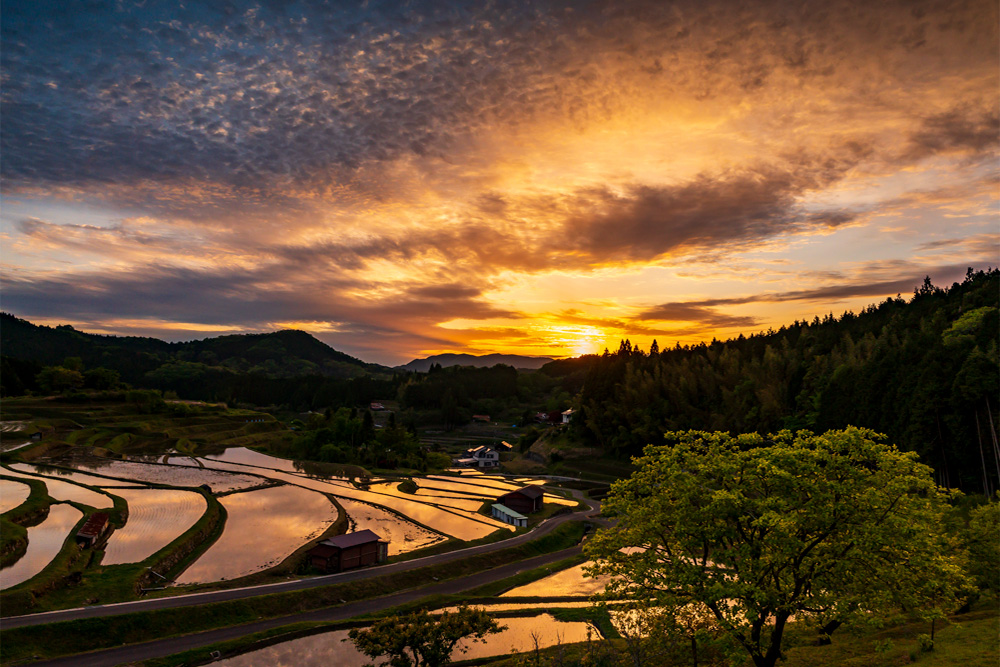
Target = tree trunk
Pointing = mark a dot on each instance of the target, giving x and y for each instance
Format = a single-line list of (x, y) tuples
[(826, 631)]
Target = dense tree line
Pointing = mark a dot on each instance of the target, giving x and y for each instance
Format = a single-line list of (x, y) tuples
[(924, 371)]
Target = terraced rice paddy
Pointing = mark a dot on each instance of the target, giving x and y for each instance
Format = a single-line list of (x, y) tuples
[(9, 445), (44, 542), (72, 476), (12, 494), (219, 482), (568, 582), (404, 536), (250, 457), (156, 517), (486, 488), (61, 490), (263, 528), (329, 649), (466, 503), (462, 524)]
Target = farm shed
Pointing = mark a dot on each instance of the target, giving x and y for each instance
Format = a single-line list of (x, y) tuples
[(345, 552), (95, 528), (507, 515), (527, 499)]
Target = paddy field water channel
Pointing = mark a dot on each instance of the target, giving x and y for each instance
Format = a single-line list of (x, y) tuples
[(62, 490)]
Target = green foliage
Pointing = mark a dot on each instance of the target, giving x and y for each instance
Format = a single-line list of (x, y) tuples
[(57, 379), (982, 539), (925, 372), (420, 639), (752, 531)]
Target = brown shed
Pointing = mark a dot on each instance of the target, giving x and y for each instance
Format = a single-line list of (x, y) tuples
[(349, 551), (525, 500), (95, 528)]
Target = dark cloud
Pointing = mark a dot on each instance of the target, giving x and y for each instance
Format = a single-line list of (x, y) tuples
[(959, 130), (690, 312)]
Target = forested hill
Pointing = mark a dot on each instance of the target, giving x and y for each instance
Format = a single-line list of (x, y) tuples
[(282, 354), (924, 371), (481, 361)]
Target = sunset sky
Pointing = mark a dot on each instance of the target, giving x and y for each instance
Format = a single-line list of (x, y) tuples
[(544, 178)]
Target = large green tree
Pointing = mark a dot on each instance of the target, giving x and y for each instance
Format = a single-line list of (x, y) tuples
[(760, 530), (421, 639)]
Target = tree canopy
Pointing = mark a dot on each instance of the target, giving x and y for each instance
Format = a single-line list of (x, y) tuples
[(421, 639), (756, 530)]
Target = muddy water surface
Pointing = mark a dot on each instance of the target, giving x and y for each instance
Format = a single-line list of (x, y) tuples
[(263, 528), (156, 517), (71, 476), (44, 542), (218, 481)]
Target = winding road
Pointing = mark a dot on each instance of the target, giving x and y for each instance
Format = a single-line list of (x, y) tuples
[(171, 645)]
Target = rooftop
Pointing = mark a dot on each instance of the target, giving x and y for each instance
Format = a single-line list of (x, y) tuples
[(352, 539)]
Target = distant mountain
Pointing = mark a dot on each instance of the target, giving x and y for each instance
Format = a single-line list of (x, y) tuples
[(281, 354), (484, 361)]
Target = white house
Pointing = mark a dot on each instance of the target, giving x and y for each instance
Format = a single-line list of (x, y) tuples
[(480, 457), (567, 415)]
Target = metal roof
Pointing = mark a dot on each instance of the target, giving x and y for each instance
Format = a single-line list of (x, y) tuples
[(508, 511), (531, 491), (352, 539)]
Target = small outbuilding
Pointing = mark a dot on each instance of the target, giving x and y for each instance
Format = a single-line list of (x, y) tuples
[(507, 515), (527, 499), (93, 530), (346, 552)]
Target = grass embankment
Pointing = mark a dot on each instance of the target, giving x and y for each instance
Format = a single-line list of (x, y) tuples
[(76, 577), (15, 521), (70, 637)]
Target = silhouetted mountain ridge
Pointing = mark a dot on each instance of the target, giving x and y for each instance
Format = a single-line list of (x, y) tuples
[(481, 361)]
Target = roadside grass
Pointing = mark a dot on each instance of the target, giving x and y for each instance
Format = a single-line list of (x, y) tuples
[(71, 637)]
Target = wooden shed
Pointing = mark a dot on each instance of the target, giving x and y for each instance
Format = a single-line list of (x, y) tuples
[(93, 530), (345, 552), (527, 499)]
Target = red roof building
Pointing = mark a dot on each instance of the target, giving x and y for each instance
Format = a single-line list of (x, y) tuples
[(93, 530)]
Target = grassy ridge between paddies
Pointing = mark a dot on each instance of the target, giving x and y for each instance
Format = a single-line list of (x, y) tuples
[(71, 637), (15, 521), (76, 577)]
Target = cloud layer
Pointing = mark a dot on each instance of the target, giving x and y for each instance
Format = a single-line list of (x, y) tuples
[(409, 179)]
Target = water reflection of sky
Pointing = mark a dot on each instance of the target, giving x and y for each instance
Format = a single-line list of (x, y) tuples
[(44, 542), (263, 528), (156, 517), (61, 490), (328, 649), (563, 583), (70, 475), (174, 475), (404, 536), (12, 494)]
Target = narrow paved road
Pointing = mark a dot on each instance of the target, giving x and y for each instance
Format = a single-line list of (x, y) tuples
[(164, 647), (98, 611)]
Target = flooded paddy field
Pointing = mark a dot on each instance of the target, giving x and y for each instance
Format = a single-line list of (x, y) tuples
[(404, 536), (329, 649), (12, 494), (218, 481), (12, 426), (250, 457), (9, 445), (568, 582), (466, 503), (61, 490), (486, 488), (156, 517), (264, 527), (461, 524), (44, 542), (72, 476)]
